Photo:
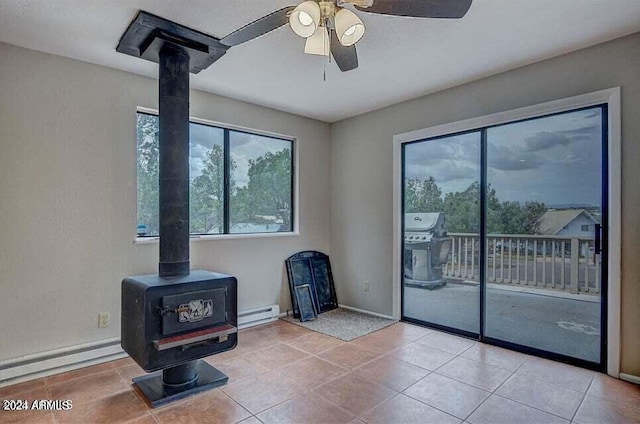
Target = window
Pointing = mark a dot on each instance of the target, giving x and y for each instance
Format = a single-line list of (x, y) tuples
[(584, 228), (240, 182)]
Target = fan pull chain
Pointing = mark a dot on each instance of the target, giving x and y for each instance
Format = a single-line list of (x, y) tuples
[(324, 71)]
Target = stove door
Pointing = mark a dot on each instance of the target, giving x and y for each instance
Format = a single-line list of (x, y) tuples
[(193, 310)]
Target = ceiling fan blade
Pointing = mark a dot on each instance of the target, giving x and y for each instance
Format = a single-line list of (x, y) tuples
[(258, 27), (451, 9), (346, 57)]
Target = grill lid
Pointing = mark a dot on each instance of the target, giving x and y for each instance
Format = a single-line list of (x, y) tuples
[(432, 222)]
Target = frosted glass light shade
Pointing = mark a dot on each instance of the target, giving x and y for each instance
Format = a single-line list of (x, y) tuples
[(318, 43), (349, 28), (305, 18)]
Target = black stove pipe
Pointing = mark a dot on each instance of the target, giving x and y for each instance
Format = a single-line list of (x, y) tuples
[(174, 185), (174, 161)]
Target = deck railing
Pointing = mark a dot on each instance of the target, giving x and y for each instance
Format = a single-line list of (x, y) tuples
[(549, 262)]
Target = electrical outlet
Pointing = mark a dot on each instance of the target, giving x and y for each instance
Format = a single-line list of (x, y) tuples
[(103, 319), (367, 287)]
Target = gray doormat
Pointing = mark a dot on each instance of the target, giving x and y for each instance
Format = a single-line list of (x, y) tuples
[(343, 324)]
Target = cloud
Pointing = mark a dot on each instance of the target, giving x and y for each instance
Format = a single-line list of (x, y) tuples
[(455, 171), (464, 147), (545, 140), (249, 146), (444, 171), (511, 158), (205, 135), (197, 155), (428, 151)]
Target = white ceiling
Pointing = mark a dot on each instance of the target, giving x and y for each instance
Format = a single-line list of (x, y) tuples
[(400, 58)]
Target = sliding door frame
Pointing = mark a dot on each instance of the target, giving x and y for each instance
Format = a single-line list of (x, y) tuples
[(610, 336)]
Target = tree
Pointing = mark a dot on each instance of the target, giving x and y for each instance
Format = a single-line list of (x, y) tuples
[(422, 195), (206, 194), (532, 213), (494, 223), (268, 192), (462, 210), (147, 169), (510, 219)]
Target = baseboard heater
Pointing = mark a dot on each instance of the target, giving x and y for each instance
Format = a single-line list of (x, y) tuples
[(31, 367), (257, 316)]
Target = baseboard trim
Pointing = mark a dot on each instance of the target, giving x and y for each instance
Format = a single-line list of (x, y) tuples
[(630, 378), (375, 314), (30, 367)]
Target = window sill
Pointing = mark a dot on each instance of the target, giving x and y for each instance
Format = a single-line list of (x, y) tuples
[(214, 237)]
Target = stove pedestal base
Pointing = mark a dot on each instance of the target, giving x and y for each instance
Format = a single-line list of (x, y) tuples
[(158, 393)]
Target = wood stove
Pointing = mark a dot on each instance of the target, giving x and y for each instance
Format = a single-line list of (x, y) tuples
[(168, 323), (173, 318)]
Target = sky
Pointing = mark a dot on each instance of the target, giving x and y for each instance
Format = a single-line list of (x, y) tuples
[(243, 147), (250, 146), (555, 159), (202, 138)]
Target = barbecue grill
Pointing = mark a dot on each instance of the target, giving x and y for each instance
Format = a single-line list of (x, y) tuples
[(426, 248)]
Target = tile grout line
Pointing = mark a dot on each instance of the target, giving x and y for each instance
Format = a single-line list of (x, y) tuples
[(584, 396), (532, 407), (462, 382), (153, 417), (340, 408), (490, 392), (365, 412), (438, 409), (493, 392), (492, 366), (303, 392), (251, 414), (537, 377), (413, 384)]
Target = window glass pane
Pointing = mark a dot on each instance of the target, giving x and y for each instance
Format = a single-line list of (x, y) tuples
[(147, 169), (260, 183), (544, 199), (441, 231), (206, 177)]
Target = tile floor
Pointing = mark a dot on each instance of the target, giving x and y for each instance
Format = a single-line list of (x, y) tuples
[(282, 373)]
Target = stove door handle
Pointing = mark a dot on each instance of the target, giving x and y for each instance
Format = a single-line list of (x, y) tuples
[(165, 311)]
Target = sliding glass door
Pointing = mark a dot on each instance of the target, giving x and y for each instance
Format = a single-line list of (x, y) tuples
[(504, 233)]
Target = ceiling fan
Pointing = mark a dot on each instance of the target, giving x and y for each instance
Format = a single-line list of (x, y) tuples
[(331, 29)]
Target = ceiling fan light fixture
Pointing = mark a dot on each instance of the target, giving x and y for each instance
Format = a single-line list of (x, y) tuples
[(305, 18), (318, 43), (349, 27)]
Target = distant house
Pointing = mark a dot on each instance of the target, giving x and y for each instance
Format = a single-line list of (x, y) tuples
[(567, 223)]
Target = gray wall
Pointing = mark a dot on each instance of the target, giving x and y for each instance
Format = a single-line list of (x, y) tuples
[(68, 199), (362, 179)]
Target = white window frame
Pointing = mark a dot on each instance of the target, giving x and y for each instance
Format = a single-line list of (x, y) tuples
[(295, 231), (612, 98)]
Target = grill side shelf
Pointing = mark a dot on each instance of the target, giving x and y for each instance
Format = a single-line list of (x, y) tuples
[(195, 336)]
